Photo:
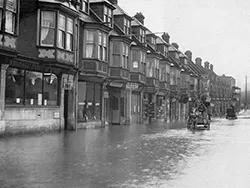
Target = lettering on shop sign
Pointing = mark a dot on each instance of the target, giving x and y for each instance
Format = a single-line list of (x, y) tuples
[(122, 107)]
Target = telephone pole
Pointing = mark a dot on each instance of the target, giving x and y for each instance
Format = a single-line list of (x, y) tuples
[(246, 95)]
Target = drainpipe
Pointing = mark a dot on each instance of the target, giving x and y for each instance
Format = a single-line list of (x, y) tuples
[(77, 72)]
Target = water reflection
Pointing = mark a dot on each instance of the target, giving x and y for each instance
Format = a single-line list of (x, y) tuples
[(151, 155)]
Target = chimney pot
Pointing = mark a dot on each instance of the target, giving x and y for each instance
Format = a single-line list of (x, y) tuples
[(211, 67), (175, 45), (188, 53), (198, 61), (165, 37), (206, 65), (139, 16)]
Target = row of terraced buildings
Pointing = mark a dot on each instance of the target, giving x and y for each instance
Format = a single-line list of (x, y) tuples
[(68, 64)]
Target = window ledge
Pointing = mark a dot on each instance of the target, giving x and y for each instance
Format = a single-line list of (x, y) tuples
[(28, 107)]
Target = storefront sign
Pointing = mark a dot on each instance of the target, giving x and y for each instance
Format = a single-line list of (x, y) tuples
[(106, 94), (115, 84), (132, 86)]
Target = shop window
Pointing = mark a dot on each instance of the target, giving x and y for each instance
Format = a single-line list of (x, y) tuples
[(89, 101), (8, 13), (14, 92), (31, 88)]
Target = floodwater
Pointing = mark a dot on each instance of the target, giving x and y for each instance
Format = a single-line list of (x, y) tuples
[(141, 156)]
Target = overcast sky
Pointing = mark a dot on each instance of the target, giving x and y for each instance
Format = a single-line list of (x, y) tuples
[(218, 31)]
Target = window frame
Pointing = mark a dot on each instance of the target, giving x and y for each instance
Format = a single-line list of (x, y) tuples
[(125, 55), (66, 32), (100, 45), (84, 5), (24, 90), (108, 16), (127, 26), (3, 17)]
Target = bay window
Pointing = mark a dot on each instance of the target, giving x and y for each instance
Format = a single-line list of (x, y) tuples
[(125, 56), (90, 44), (8, 16), (47, 28), (25, 87), (96, 43), (143, 60), (64, 31), (102, 46), (150, 68)]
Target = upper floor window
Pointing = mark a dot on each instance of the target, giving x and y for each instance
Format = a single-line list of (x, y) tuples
[(165, 51), (107, 16), (153, 40), (64, 30), (8, 15), (125, 56), (150, 69), (90, 44), (126, 26), (102, 46), (96, 45), (142, 36), (84, 6)]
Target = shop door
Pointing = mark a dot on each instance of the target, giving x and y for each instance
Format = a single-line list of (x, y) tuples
[(66, 109), (115, 108)]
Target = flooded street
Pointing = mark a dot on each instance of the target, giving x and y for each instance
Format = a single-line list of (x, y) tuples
[(156, 155)]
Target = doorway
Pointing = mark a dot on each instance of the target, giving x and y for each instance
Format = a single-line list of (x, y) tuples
[(66, 99)]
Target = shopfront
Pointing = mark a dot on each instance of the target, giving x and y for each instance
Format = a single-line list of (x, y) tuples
[(89, 104), (34, 97)]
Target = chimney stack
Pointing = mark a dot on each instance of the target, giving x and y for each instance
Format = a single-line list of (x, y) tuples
[(165, 37), (188, 53), (139, 16), (198, 61), (114, 2), (211, 67), (175, 45), (206, 65)]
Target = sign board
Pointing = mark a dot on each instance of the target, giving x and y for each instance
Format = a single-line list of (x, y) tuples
[(106, 94), (132, 86)]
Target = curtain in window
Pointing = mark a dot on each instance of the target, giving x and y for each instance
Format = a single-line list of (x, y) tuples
[(69, 41), (1, 12), (104, 53), (47, 28), (1, 3), (61, 31), (10, 22), (90, 44)]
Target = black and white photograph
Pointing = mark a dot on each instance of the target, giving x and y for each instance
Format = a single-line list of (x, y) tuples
[(124, 94)]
